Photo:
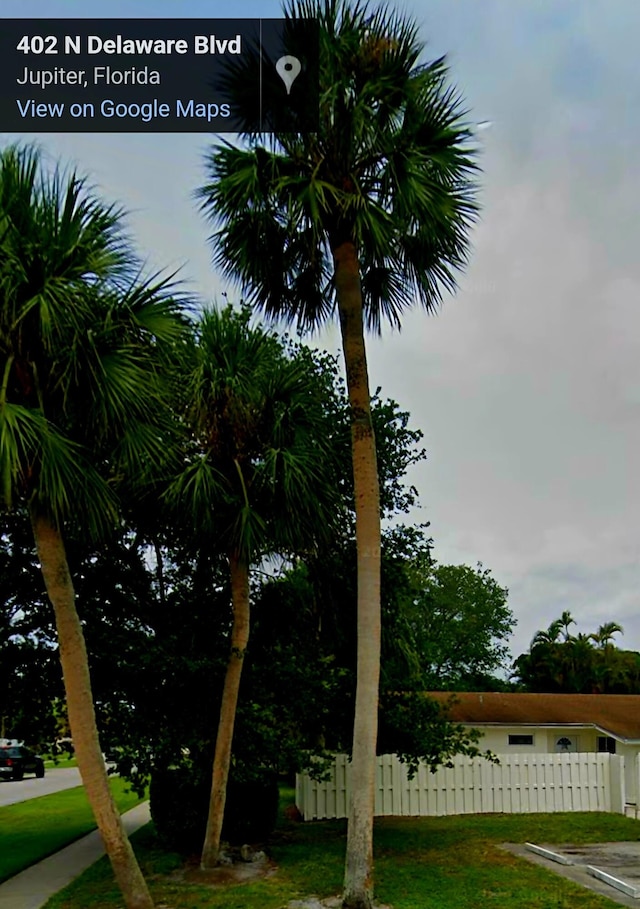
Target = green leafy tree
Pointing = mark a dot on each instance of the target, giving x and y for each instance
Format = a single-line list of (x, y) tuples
[(259, 479), (365, 217), (459, 621), (79, 338), (30, 677)]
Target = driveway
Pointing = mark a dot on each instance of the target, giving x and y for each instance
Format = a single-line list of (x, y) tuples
[(620, 861), (55, 780)]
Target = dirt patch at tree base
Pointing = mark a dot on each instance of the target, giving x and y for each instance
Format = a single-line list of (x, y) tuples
[(330, 902), (225, 875)]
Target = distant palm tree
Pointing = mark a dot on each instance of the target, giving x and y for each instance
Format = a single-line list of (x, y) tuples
[(81, 410), (256, 482), (362, 219), (566, 620), (603, 637), (550, 636), (610, 668)]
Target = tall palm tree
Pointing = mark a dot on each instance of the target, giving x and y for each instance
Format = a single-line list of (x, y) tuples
[(366, 216), (256, 482), (79, 340)]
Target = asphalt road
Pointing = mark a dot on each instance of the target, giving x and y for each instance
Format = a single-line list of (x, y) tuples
[(54, 780)]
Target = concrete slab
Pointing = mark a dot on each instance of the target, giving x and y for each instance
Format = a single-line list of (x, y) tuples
[(33, 887), (617, 860)]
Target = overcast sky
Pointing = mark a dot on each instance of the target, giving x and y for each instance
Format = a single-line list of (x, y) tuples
[(527, 383)]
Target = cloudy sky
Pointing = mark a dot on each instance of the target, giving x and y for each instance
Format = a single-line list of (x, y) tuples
[(527, 383)]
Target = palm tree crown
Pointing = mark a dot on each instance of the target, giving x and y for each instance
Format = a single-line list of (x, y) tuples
[(257, 477), (80, 337), (391, 169)]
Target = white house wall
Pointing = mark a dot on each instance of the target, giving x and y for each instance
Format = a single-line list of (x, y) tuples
[(496, 738)]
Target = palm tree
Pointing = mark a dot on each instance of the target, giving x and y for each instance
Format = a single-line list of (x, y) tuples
[(565, 621), (79, 339), (607, 663), (256, 482), (603, 637), (366, 216), (550, 636)]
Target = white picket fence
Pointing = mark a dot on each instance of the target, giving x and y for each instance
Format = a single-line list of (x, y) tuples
[(520, 783)]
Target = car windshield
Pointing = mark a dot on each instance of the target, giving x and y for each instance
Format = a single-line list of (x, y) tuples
[(11, 752)]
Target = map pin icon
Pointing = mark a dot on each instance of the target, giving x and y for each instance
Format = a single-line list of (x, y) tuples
[(288, 68)]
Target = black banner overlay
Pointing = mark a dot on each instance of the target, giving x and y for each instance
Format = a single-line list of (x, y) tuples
[(158, 75)]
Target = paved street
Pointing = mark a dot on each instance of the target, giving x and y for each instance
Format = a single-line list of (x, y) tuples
[(30, 788)]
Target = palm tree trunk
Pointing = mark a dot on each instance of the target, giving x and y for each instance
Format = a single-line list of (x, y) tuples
[(82, 720), (358, 879), (239, 571)]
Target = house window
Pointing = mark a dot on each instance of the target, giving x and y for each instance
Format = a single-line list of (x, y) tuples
[(606, 744), (521, 740), (566, 745)]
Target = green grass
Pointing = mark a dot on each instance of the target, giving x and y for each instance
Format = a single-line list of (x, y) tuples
[(50, 764), (421, 863), (31, 830)]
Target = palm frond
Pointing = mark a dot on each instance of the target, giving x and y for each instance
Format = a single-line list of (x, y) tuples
[(35, 456)]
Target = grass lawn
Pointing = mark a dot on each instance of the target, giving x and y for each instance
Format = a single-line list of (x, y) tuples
[(50, 764), (31, 830), (421, 863)]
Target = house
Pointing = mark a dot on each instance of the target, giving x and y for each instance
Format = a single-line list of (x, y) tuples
[(514, 723)]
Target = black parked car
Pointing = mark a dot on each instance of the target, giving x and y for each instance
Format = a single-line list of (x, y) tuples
[(16, 760)]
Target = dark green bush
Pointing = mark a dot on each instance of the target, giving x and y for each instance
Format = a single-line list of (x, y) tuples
[(251, 810), (179, 800)]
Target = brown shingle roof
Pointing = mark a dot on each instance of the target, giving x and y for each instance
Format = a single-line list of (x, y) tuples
[(616, 714)]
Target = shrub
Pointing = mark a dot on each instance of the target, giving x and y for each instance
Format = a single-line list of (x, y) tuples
[(179, 801), (251, 810)]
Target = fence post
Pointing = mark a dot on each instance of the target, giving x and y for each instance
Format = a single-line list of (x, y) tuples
[(300, 801), (616, 771)]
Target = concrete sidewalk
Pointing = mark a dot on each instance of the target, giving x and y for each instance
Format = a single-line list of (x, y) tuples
[(33, 887)]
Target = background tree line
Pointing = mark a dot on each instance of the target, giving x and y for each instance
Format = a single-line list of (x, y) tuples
[(560, 662)]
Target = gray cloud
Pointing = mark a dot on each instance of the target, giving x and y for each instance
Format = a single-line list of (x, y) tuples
[(527, 382)]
